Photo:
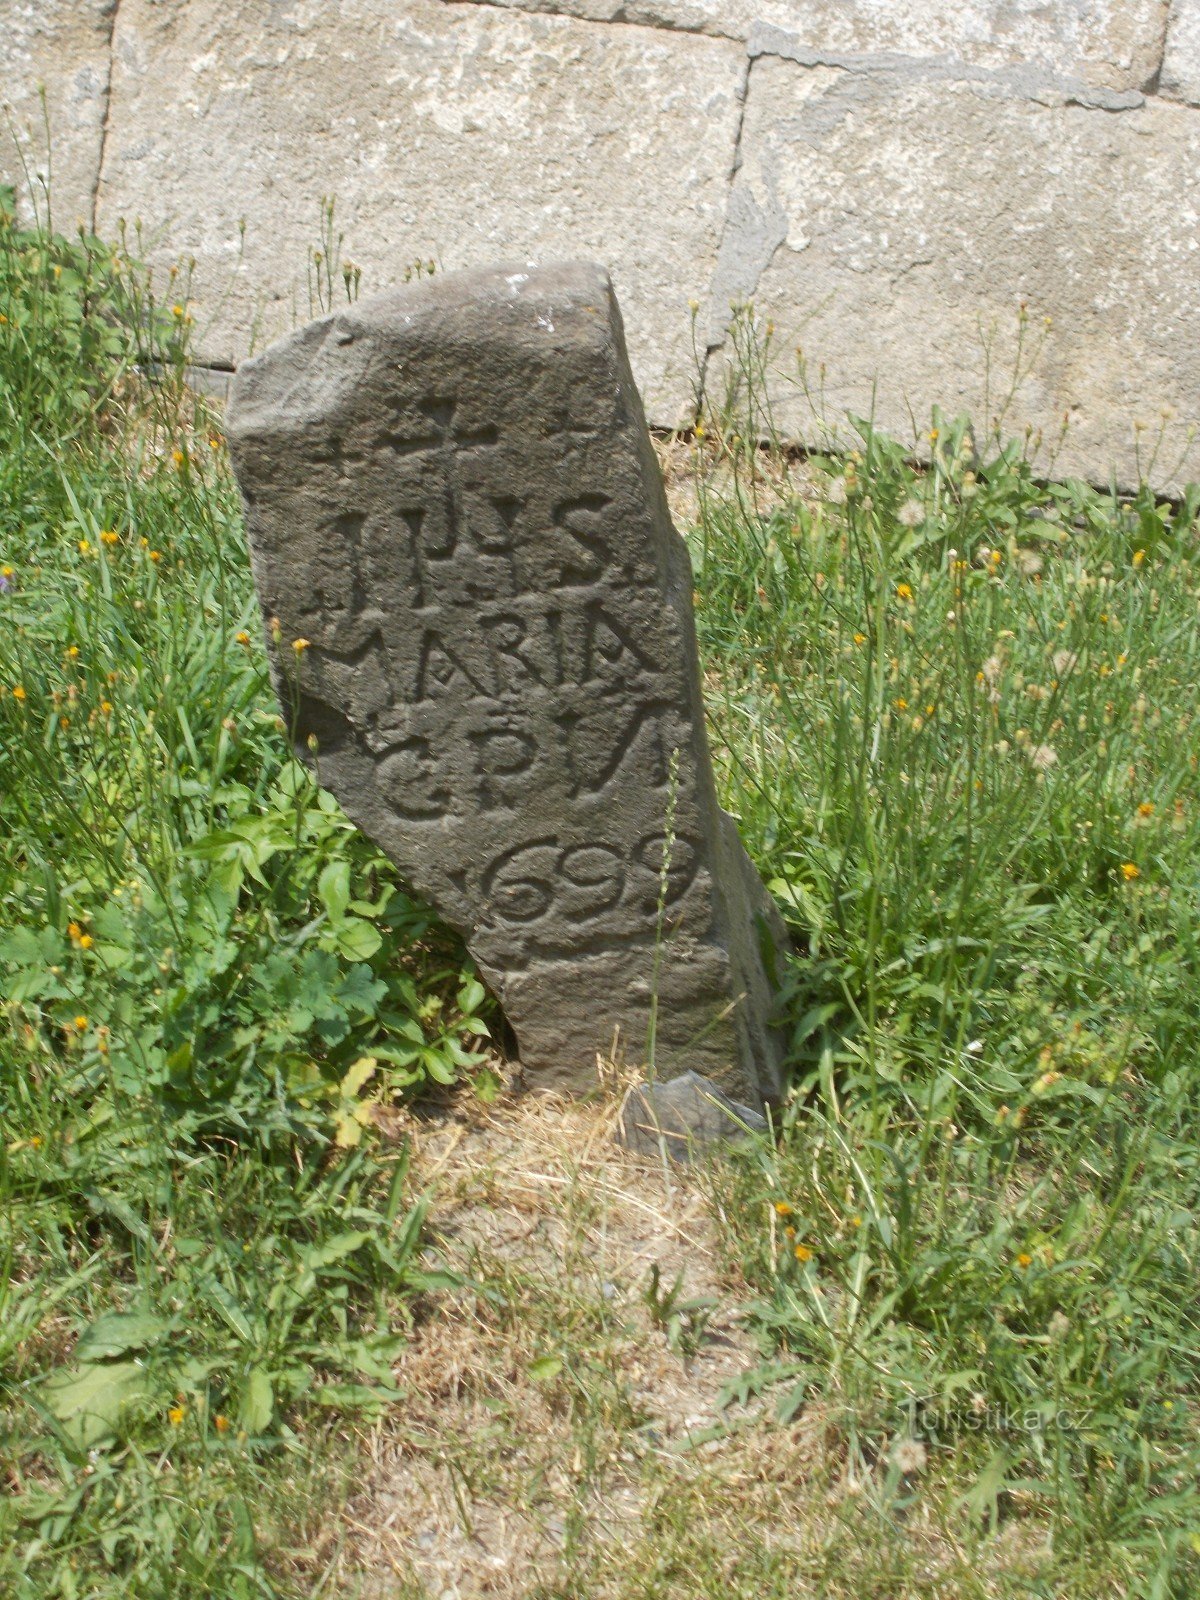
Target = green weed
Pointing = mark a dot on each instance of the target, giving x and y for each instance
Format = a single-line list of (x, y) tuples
[(956, 711), (210, 985)]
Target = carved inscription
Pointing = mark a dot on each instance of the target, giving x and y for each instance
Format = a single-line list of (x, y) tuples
[(452, 497)]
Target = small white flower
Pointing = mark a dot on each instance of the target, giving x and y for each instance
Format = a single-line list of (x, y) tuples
[(1043, 756), (1064, 661), (975, 1046)]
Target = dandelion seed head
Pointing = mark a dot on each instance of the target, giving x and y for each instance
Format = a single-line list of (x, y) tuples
[(910, 1456)]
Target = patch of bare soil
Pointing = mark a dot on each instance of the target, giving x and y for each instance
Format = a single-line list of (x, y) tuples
[(571, 1373)]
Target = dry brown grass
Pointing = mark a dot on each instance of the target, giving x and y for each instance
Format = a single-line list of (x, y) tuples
[(549, 1408)]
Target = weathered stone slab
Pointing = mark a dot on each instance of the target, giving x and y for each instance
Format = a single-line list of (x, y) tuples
[(1114, 43), (455, 132), (1181, 59), (682, 1116), (890, 221), (63, 47), (452, 496)]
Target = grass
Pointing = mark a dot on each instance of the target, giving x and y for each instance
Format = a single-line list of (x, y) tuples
[(957, 712), (954, 707), (209, 978)]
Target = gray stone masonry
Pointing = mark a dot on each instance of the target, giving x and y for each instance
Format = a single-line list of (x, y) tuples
[(452, 496), (887, 181)]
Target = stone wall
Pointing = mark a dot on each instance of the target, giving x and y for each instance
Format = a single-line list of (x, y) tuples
[(887, 180)]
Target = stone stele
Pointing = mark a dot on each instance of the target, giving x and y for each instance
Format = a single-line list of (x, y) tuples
[(452, 496)]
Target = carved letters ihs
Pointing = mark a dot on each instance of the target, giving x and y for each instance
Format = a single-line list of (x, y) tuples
[(515, 661)]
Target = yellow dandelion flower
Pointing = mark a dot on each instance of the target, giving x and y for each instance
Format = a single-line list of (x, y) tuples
[(221, 1423), (18, 692), (782, 1209), (1129, 871), (110, 538), (904, 591), (242, 638), (73, 652), (106, 706), (856, 1222), (85, 941), (901, 704), (7, 572), (1138, 557), (860, 638), (1146, 809), (300, 646), (1024, 1260), (73, 931), (64, 722), (81, 1023), (85, 546), (176, 1415), (802, 1253), (177, 457)]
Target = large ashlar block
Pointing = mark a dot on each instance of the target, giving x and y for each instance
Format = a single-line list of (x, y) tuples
[(61, 46), (893, 222), (1112, 43), (452, 495), (1181, 60), (461, 133)]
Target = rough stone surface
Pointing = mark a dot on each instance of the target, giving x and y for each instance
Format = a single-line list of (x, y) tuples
[(462, 133), (63, 46), (888, 221), (904, 173), (1115, 43), (683, 1116), (1181, 61), (452, 495)]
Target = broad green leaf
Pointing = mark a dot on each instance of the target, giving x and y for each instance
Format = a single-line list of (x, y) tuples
[(117, 1332), (88, 1400), (357, 1396), (471, 996), (358, 940), (335, 1249), (333, 887), (258, 1401)]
